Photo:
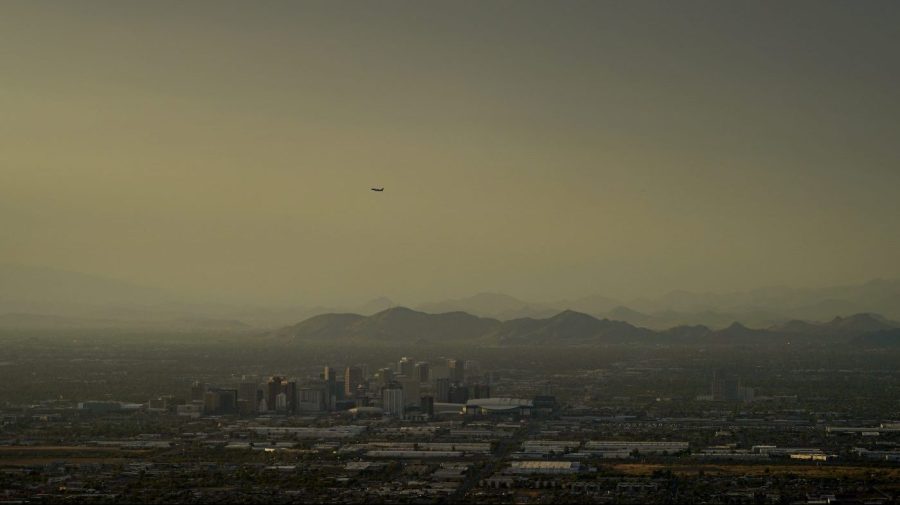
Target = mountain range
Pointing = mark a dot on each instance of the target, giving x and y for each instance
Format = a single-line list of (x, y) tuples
[(47, 298), (400, 325), (762, 307)]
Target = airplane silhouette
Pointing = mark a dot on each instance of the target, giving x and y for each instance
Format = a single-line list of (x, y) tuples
[(377, 189)]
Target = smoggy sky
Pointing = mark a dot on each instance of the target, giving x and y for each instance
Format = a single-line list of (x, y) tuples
[(543, 149)]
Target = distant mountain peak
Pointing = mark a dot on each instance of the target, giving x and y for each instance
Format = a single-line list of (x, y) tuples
[(376, 305), (621, 309), (738, 331), (568, 326), (861, 322), (399, 309), (572, 314), (395, 324), (490, 304)]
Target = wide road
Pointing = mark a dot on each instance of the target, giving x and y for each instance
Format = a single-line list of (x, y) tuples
[(504, 448)]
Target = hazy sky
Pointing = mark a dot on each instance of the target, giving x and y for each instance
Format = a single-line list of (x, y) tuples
[(544, 149)]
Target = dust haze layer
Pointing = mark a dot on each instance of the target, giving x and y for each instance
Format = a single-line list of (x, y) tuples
[(54, 299), (224, 151)]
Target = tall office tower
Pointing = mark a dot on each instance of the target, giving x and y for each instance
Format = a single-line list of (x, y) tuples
[(247, 395), (410, 387), (220, 401), (281, 403), (422, 371), (406, 367), (457, 370), (228, 401), (442, 390), (458, 393), (198, 391), (384, 376), (362, 395), (439, 370), (274, 387), (292, 393), (353, 377), (477, 391), (334, 388), (725, 388), (210, 402), (312, 398), (428, 405), (392, 401)]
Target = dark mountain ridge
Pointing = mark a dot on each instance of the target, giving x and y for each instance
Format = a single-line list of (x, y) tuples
[(403, 325), (850, 326), (567, 327), (397, 324)]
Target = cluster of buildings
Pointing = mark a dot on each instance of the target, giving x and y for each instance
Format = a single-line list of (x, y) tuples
[(727, 388), (407, 389), (432, 432)]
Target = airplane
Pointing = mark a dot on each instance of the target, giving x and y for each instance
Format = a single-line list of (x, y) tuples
[(377, 189)]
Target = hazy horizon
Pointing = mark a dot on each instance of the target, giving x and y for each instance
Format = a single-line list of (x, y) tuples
[(30, 283), (225, 151)]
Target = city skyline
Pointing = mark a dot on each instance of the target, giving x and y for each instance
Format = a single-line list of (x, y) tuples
[(451, 252)]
